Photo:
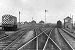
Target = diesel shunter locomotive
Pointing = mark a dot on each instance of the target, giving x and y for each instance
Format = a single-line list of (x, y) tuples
[(9, 22)]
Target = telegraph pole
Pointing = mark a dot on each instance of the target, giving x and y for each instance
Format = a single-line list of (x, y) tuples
[(72, 20), (19, 17), (45, 15)]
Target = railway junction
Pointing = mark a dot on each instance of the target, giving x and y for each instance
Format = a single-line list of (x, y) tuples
[(38, 37), (37, 25)]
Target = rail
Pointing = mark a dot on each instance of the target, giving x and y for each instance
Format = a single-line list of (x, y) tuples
[(65, 39)]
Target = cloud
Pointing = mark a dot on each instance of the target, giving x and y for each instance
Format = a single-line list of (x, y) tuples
[(35, 8)]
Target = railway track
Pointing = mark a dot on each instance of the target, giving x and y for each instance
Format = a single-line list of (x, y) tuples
[(4, 36), (69, 33), (23, 47), (31, 41), (12, 45), (68, 38), (45, 43), (9, 43), (50, 44), (10, 39)]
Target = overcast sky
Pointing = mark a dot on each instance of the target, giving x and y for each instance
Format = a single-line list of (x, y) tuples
[(57, 9)]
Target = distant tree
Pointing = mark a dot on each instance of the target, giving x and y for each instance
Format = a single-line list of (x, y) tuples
[(25, 22), (41, 21), (33, 21)]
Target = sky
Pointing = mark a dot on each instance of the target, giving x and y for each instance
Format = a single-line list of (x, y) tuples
[(56, 9)]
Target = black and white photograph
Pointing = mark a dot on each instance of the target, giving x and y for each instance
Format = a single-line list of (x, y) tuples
[(37, 24)]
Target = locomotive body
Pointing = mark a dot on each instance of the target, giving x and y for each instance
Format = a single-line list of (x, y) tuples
[(59, 24), (9, 22)]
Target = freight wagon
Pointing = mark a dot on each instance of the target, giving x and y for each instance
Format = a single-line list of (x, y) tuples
[(9, 22)]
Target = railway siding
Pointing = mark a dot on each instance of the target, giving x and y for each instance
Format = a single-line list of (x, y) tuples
[(34, 39), (30, 46), (40, 41), (13, 39), (29, 35), (50, 44), (64, 43), (56, 37), (17, 40), (70, 40), (69, 33), (19, 37)]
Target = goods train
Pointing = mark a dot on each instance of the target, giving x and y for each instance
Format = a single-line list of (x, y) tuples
[(59, 24), (9, 22)]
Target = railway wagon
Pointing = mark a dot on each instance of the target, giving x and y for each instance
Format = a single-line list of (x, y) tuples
[(59, 24), (9, 22)]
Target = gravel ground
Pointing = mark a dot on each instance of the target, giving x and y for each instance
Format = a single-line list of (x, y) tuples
[(51, 46), (60, 41), (41, 41), (30, 46), (29, 35)]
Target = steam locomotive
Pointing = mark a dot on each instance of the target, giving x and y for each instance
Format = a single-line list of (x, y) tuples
[(59, 24)]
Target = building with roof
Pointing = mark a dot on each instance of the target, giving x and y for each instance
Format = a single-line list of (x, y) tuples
[(33, 22), (41, 22), (68, 22)]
